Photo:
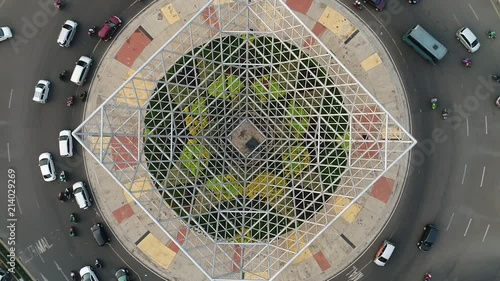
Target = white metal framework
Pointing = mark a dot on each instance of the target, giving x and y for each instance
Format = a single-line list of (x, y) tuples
[(242, 136)]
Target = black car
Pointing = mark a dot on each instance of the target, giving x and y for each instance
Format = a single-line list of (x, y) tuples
[(100, 235), (428, 238)]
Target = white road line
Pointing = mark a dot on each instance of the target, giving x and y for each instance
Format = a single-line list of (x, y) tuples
[(467, 123), (456, 19), (467, 229), (8, 152), (496, 10), (474, 12), (463, 176), (486, 123), (482, 177), (38, 204), (10, 98), (19, 205), (487, 228), (452, 215)]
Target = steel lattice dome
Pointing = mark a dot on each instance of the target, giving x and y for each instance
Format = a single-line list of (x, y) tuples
[(237, 132)]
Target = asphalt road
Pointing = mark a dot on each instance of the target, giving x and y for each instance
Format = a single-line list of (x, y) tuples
[(453, 180), (28, 129)]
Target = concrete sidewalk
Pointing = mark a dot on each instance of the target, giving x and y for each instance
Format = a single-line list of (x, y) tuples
[(351, 41)]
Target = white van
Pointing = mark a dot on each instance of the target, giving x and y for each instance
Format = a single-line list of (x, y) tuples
[(81, 196), (65, 143), (81, 70), (384, 253)]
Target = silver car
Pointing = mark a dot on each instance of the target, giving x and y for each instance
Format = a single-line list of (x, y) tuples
[(468, 39)]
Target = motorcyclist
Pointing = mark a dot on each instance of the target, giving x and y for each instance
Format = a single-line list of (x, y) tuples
[(92, 30), (97, 263), (62, 75), (497, 102), (467, 62), (445, 113), (72, 217), (60, 196), (62, 176), (434, 102), (73, 275), (427, 276), (492, 34), (72, 231)]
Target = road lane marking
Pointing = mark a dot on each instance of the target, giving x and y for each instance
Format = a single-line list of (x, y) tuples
[(60, 270), (482, 177), (487, 228), (496, 10), (456, 19), (486, 123), (10, 98), (8, 152), (467, 229), (467, 122), (463, 176), (474, 12), (451, 219)]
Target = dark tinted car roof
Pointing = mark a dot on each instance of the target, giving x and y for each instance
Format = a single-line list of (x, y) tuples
[(429, 237), (99, 235)]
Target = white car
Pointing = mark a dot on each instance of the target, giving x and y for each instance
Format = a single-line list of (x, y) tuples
[(5, 33), (68, 30), (65, 143), (47, 166), (81, 70), (41, 91), (87, 274), (468, 39)]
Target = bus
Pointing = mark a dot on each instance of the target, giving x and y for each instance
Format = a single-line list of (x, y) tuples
[(424, 44)]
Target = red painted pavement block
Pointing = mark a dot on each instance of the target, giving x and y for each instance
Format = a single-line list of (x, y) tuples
[(124, 150), (382, 189), (181, 235), (172, 246), (301, 6), (133, 47), (237, 258), (318, 30), (211, 17), (123, 213), (322, 261)]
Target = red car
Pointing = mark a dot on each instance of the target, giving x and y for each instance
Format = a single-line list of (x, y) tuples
[(110, 26)]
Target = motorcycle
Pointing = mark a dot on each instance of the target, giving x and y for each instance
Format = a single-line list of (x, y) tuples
[(434, 102), (495, 78), (73, 275), (97, 263), (445, 114), (69, 101), (357, 5), (83, 96), (92, 31), (62, 75), (427, 276), (72, 232), (62, 176), (497, 102)]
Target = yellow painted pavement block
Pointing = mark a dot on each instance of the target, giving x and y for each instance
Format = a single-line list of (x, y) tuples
[(220, 2), (157, 251), (140, 185), (296, 246), (337, 23), (371, 62), (136, 92), (170, 14), (351, 213), (256, 275), (96, 142)]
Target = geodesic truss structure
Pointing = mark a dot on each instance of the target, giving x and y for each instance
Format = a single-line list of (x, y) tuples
[(243, 138)]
